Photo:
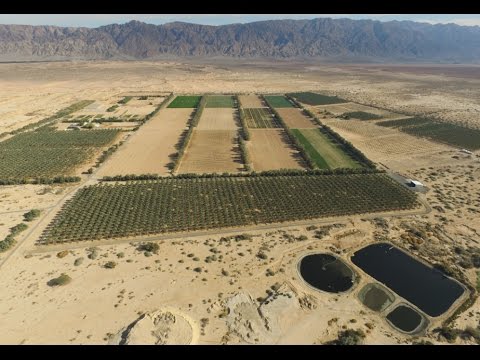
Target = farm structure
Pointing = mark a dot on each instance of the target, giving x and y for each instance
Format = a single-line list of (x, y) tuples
[(311, 98)]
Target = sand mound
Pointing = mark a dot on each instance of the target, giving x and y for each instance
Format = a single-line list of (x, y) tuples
[(161, 327)]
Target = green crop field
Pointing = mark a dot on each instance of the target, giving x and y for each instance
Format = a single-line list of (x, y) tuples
[(185, 102), (47, 153), (311, 98), (447, 133), (277, 101), (324, 151), (219, 101), (260, 118), (360, 115), (172, 204)]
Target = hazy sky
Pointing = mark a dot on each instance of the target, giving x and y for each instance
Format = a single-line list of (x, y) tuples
[(94, 20)]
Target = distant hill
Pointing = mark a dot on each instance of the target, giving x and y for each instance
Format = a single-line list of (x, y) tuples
[(342, 39)]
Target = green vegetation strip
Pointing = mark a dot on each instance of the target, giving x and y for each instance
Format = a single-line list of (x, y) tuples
[(48, 154), (277, 101), (214, 101), (185, 102), (110, 210), (311, 98), (311, 151), (447, 133), (332, 152), (9, 240)]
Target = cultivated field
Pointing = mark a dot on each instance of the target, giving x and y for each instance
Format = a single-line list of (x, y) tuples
[(349, 107), (217, 119), (450, 134), (278, 101), (47, 153), (295, 119), (148, 150), (211, 151), (171, 205), (390, 146), (326, 153), (260, 118), (219, 101), (311, 98), (250, 101), (270, 150), (185, 102)]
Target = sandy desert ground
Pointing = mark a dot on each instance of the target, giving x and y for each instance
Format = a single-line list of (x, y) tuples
[(210, 289)]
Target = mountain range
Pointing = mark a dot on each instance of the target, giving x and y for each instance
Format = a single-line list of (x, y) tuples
[(340, 39)]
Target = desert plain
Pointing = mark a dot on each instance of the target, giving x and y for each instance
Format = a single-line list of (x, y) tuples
[(238, 285)]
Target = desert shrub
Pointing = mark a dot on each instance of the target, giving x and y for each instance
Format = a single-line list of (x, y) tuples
[(62, 254), (121, 255), (450, 334), (62, 280), (31, 215), (349, 337), (198, 269), (78, 261), (262, 255), (110, 265), (149, 247)]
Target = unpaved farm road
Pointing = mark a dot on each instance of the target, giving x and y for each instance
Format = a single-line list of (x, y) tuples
[(230, 231)]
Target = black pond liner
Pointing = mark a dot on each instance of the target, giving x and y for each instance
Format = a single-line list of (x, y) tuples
[(406, 319), (423, 286), (326, 272)]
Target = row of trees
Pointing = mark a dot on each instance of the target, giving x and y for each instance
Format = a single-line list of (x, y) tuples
[(266, 173), (187, 134), (9, 240)]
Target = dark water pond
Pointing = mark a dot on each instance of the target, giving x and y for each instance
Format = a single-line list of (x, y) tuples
[(427, 288), (326, 272), (405, 318)]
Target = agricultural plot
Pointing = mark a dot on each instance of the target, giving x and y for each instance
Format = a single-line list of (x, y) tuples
[(390, 146), (219, 101), (270, 150), (173, 205), (250, 101), (217, 119), (295, 119), (147, 151), (324, 151), (278, 101), (360, 115), (211, 151), (48, 153), (349, 107), (185, 102), (311, 98), (260, 118), (450, 134)]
